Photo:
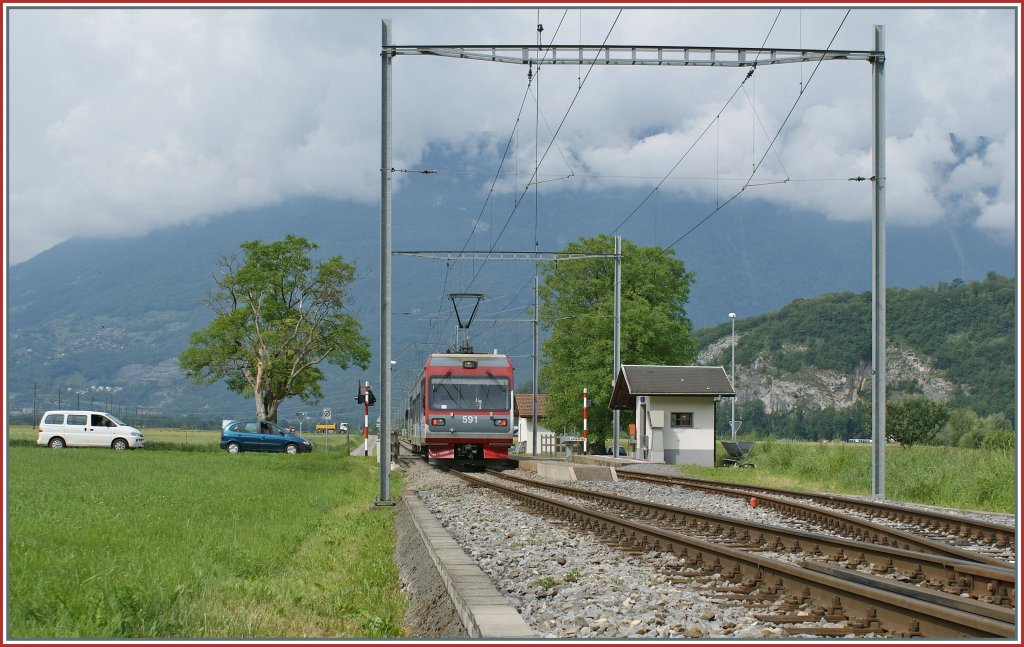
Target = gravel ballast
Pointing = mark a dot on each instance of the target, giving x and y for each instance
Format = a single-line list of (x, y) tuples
[(564, 582)]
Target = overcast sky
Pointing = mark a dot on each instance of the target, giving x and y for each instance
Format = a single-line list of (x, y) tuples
[(123, 120)]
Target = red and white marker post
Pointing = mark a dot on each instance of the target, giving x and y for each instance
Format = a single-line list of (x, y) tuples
[(584, 420), (366, 421)]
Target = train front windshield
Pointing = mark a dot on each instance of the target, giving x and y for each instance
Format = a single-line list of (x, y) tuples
[(468, 394)]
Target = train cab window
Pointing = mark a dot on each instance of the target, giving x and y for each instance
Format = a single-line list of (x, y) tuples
[(469, 394)]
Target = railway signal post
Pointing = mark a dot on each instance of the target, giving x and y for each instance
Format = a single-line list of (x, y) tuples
[(366, 398)]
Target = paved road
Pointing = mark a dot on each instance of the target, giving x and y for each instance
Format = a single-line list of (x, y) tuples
[(371, 444)]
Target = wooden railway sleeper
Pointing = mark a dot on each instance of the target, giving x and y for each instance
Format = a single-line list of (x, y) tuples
[(825, 632), (788, 618)]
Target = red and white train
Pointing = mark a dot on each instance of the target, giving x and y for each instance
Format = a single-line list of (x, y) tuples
[(460, 410)]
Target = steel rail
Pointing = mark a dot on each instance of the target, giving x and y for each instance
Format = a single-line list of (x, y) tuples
[(860, 605), (994, 585), (1001, 535), (859, 528)]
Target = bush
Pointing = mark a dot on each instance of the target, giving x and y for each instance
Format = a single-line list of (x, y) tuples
[(1003, 441), (914, 419)]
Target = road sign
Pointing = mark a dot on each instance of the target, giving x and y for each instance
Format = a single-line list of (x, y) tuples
[(327, 413)]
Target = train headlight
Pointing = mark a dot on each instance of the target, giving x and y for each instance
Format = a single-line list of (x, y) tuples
[(500, 422), (437, 422)]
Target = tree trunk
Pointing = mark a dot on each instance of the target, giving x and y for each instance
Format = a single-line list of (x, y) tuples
[(261, 407), (271, 410)]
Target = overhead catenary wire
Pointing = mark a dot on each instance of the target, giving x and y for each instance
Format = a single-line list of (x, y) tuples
[(748, 182), (561, 123), (778, 132), (714, 121), (534, 178), (488, 201)]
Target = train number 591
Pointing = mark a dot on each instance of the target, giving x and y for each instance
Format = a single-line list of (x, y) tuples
[(466, 420)]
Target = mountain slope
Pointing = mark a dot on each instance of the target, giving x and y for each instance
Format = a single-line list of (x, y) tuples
[(117, 313), (954, 342)]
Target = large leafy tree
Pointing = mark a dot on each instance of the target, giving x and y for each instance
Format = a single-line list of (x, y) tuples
[(278, 317), (913, 419), (577, 309)]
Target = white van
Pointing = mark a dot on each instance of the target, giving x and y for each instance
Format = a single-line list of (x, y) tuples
[(87, 429)]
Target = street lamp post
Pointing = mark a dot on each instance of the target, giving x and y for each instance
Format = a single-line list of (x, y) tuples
[(732, 423)]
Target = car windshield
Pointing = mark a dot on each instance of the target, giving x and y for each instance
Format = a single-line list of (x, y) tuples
[(469, 393), (116, 421)]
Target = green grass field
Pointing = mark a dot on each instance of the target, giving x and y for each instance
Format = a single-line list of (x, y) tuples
[(953, 477), (181, 540), (166, 543)]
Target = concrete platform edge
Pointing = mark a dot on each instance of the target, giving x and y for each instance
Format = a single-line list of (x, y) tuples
[(483, 610)]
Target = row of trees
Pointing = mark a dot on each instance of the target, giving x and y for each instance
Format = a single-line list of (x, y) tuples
[(910, 420), (279, 316)]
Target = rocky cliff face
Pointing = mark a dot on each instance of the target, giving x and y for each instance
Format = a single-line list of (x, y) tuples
[(818, 388)]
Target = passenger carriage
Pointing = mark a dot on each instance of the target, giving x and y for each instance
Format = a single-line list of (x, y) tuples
[(460, 410)]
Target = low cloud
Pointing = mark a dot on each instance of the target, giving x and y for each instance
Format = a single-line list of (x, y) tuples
[(126, 120)]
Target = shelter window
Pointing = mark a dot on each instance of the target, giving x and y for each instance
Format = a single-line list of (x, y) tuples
[(682, 419)]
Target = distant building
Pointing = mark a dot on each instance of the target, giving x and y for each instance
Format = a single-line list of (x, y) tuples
[(674, 410), (524, 417)]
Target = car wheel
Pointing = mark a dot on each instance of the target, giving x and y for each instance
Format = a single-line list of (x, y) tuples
[(57, 443), (120, 444), (291, 448), (233, 448)]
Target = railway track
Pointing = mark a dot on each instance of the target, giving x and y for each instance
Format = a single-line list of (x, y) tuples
[(821, 586), (992, 584), (932, 525)]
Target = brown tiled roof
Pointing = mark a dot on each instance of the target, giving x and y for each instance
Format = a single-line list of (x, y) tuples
[(634, 380), (524, 405)]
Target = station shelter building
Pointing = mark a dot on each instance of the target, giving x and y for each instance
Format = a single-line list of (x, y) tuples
[(675, 416)]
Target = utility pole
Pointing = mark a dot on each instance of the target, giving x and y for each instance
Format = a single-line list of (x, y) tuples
[(732, 423), (878, 399), (616, 335), (536, 320), (386, 55)]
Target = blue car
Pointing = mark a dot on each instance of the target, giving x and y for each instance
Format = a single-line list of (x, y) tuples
[(261, 436)]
